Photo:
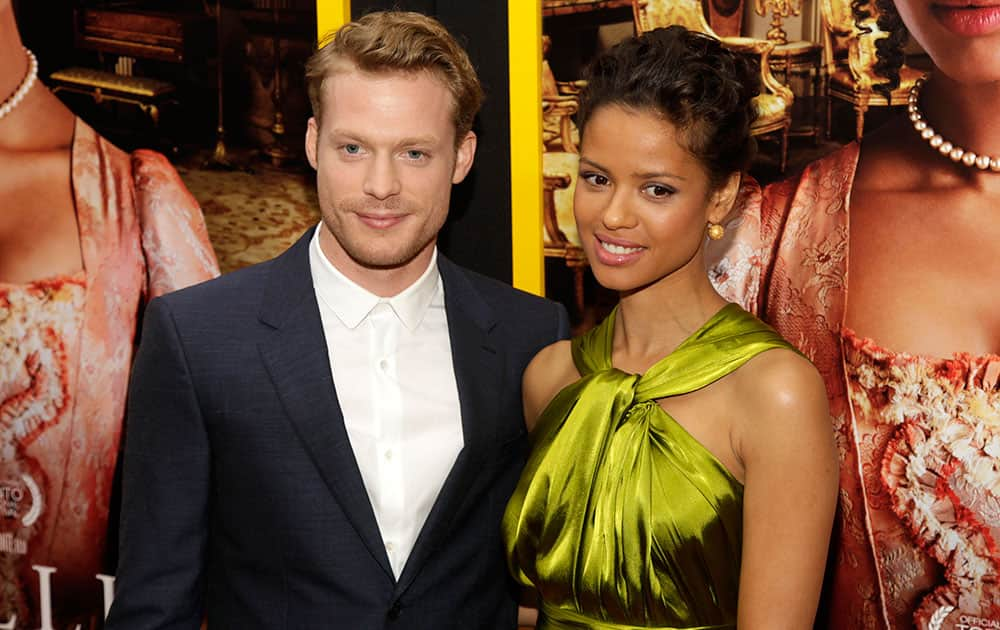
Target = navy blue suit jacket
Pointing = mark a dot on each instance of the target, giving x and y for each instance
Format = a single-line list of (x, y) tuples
[(242, 499)]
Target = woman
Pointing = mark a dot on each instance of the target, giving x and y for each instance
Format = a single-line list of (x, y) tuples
[(87, 234), (909, 346), (683, 471)]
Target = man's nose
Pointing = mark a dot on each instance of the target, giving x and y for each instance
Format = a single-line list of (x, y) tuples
[(382, 177)]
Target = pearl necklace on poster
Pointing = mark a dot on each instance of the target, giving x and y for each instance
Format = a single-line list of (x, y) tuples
[(937, 141), (22, 90)]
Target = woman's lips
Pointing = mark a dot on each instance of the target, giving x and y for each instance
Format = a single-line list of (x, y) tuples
[(968, 20), (615, 252)]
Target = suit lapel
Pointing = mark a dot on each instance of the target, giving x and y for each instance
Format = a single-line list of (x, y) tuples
[(478, 373), (296, 358)]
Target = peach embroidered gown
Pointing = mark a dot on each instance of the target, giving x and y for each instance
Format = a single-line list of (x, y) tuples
[(915, 542), (66, 346), (931, 430)]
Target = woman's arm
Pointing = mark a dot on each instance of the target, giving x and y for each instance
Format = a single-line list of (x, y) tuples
[(551, 370), (787, 446), (526, 617)]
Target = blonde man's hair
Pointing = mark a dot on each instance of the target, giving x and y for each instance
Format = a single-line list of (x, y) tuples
[(398, 41)]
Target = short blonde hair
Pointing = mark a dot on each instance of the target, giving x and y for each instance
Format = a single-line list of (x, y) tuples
[(398, 41)]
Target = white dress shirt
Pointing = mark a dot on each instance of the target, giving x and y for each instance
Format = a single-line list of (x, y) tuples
[(394, 378)]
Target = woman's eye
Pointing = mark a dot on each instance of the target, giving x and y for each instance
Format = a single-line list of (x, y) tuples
[(658, 190), (595, 179)]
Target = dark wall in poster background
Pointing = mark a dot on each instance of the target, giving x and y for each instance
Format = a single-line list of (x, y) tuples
[(47, 29), (478, 232)]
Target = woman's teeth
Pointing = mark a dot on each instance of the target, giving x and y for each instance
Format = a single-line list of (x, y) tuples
[(618, 249)]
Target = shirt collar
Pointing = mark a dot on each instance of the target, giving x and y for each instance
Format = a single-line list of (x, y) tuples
[(352, 303)]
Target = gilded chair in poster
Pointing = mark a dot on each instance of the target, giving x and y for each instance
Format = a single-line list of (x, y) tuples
[(849, 50), (561, 239), (561, 139), (773, 105), (560, 101)]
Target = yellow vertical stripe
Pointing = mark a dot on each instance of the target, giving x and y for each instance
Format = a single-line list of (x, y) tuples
[(524, 25), (331, 15)]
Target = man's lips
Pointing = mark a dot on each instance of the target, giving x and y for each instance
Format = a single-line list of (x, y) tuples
[(380, 221)]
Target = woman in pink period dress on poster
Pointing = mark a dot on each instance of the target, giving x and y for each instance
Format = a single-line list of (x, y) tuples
[(878, 262), (87, 235)]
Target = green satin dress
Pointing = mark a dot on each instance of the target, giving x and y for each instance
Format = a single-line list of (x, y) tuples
[(621, 518)]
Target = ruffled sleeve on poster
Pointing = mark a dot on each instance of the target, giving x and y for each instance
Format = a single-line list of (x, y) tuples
[(174, 238)]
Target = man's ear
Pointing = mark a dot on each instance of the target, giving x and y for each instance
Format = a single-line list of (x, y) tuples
[(312, 137), (463, 157), (724, 197)]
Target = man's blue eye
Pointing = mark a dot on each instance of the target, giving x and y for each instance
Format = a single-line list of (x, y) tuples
[(353, 149), (414, 155)]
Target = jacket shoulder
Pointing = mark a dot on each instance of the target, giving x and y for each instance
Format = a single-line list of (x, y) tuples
[(508, 301), (220, 304)]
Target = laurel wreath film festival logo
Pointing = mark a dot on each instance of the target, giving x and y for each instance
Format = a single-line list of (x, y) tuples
[(20, 498), (965, 622)]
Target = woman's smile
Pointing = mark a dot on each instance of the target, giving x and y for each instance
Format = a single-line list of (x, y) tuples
[(611, 251)]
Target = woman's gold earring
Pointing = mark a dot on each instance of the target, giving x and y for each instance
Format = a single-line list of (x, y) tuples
[(715, 231)]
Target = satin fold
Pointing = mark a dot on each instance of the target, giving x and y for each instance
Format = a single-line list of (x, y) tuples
[(553, 618), (621, 518)]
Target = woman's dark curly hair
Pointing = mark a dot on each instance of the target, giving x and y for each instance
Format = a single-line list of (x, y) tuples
[(889, 49), (690, 79)]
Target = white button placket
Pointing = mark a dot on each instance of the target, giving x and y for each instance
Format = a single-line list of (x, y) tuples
[(387, 407)]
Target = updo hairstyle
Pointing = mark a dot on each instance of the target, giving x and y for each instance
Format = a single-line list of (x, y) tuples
[(691, 80)]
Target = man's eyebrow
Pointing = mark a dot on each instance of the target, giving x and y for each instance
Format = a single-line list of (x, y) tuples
[(403, 142)]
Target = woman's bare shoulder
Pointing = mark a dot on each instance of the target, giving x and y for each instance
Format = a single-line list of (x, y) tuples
[(780, 378), (550, 371), (782, 395)]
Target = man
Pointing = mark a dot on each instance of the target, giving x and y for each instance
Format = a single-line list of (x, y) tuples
[(328, 439)]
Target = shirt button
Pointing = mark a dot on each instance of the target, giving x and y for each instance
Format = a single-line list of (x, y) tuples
[(384, 364), (388, 455), (390, 547)]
